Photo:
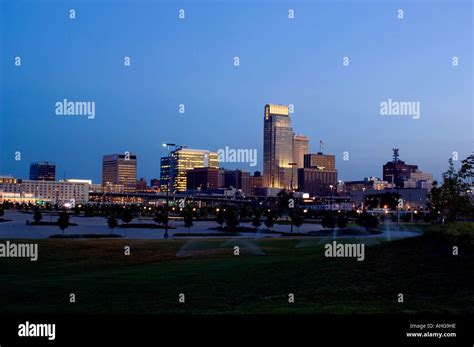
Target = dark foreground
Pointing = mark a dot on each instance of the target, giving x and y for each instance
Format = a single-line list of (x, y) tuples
[(258, 281)]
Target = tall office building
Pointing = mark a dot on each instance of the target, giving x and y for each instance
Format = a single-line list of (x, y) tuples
[(166, 175), (321, 161), (300, 148), (277, 147), (319, 175), (42, 171), (174, 169), (120, 169)]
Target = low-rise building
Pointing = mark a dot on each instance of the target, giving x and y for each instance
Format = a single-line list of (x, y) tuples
[(32, 191)]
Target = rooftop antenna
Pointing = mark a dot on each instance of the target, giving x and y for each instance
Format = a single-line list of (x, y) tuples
[(395, 155)]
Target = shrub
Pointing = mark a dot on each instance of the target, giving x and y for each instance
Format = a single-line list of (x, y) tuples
[(461, 232)]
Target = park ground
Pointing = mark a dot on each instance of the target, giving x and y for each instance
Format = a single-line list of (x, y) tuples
[(259, 280)]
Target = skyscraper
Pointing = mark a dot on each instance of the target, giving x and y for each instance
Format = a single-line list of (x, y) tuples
[(320, 161), (277, 147), (319, 175), (42, 171), (175, 168), (300, 148), (120, 169)]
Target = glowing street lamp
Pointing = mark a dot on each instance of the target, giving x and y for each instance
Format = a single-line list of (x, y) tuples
[(168, 145)]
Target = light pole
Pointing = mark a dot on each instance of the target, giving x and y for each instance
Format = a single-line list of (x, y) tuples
[(168, 145), (292, 170), (332, 195), (292, 188)]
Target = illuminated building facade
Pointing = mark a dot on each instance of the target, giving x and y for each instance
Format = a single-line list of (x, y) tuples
[(174, 168), (120, 169), (300, 149), (319, 175), (32, 191), (277, 147)]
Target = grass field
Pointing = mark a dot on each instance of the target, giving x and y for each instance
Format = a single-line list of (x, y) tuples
[(257, 281)]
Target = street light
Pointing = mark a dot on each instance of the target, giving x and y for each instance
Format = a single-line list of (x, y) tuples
[(168, 145), (292, 170), (332, 194), (292, 187)]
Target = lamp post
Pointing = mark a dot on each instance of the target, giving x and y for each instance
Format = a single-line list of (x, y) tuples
[(332, 195), (292, 171), (168, 145), (292, 189)]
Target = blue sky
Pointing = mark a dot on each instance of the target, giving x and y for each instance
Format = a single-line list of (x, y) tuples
[(191, 62)]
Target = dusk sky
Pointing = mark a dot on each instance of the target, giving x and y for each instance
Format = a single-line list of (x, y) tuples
[(190, 62)]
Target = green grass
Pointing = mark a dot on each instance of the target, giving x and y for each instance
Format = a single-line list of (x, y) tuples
[(215, 281)]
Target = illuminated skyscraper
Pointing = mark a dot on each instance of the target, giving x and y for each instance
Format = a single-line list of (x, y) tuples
[(319, 175), (182, 160), (300, 148), (277, 147), (120, 169)]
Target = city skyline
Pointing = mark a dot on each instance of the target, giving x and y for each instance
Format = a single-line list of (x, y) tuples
[(128, 158), (332, 102)]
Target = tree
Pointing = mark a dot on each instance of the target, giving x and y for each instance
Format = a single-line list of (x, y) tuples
[(367, 221), (126, 216), (256, 222), (161, 217), (371, 222), (203, 214), (341, 221), (388, 199), (220, 218), (328, 221), (37, 216), (451, 200), (297, 219), (283, 201), (245, 212), (188, 218), (269, 222), (257, 213), (231, 219), (63, 220), (112, 223)]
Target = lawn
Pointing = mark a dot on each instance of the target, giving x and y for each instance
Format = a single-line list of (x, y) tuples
[(259, 280)]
